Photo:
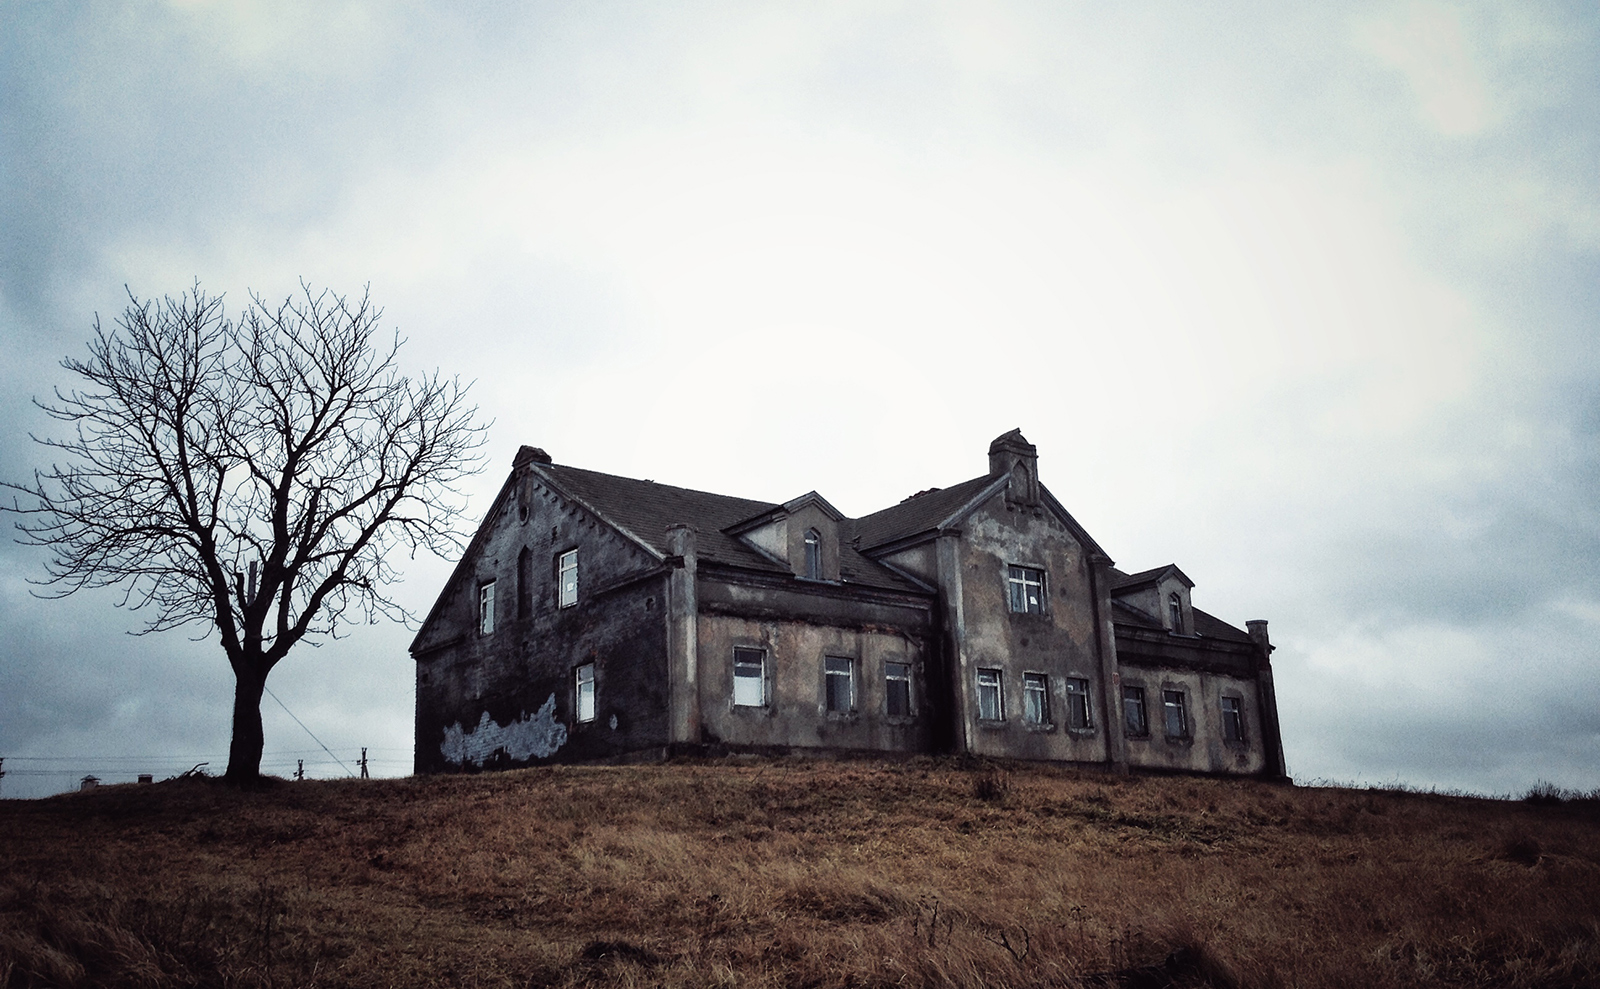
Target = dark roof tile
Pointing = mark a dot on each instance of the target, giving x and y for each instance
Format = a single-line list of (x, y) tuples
[(917, 514)]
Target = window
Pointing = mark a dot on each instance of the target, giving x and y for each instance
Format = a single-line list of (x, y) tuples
[(486, 608), (990, 707), (1232, 720), (567, 577), (813, 554), (1134, 718), (524, 583), (1026, 590), (749, 678), (840, 673), (1035, 699), (1080, 713), (897, 689), (584, 677), (1175, 612), (1177, 720)]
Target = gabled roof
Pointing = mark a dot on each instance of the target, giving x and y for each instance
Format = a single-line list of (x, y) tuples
[(930, 511), (1129, 581), (780, 511), (1206, 625)]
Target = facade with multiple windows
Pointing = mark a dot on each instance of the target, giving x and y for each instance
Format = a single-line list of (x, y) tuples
[(979, 618)]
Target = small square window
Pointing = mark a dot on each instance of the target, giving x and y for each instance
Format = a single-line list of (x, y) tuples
[(840, 672), (1080, 712), (486, 608), (897, 689), (1134, 719), (567, 578), (1035, 699), (1025, 590), (990, 704), (1177, 719), (750, 678), (584, 677), (1232, 720)]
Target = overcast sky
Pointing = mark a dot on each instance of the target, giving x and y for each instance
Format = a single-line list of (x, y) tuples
[(1300, 297)]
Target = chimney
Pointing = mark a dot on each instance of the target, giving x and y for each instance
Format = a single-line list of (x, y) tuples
[(530, 454), (1258, 632), (1011, 454)]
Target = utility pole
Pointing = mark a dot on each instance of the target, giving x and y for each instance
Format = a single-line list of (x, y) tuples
[(364, 762), (300, 769), (2, 769)]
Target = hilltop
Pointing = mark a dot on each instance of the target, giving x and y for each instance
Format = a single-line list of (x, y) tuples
[(926, 872)]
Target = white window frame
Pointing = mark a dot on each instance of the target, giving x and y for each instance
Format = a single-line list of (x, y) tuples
[(567, 588), (1175, 700), (583, 688), (991, 683), (486, 608), (890, 679), (1018, 581), (1036, 700), (747, 694), (1080, 704), (835, 668)]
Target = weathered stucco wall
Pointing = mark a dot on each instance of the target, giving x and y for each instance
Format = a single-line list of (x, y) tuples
[(508, 697), (1060, 642), (1204, 749)]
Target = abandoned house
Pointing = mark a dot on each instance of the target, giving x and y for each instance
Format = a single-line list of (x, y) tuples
[(603, 618)]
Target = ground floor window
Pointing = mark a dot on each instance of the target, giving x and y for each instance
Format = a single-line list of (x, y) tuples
[(1177, 718), (1134, 719), (750, 677), (1232, 720), (897, 689), (840, 674), (584, 677), (1035, 699), (1080, 713), (990, 706)]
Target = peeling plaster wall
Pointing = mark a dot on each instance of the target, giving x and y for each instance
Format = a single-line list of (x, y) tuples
[(1204, 750)]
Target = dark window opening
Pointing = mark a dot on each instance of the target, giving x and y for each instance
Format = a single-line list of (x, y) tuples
[(524, 583), (897, 689), (840, 675), (1035, 699), (1080, 713), (813, 554), (1232, 720), (1177, 719), (1134, 718)]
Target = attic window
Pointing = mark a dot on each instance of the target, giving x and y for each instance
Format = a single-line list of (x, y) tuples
[(1025, 590), (813, 554), (1175, 612), (567, 578), (486, 608)]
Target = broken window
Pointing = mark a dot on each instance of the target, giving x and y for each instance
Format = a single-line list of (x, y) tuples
[(813, 554), (567, 577), (1035, 699), (1175, 612), (1232, 720), (1080, 713), (486, 608), (990, 706), (1025, 586), (584, 677), (1177, 719), (897, 689), (750, 677), (1134, 718), (840, 673)]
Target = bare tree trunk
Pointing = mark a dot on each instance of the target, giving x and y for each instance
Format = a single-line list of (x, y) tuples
[(244, 754)]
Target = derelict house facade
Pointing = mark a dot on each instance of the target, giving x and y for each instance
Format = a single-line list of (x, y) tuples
[(603, 618)]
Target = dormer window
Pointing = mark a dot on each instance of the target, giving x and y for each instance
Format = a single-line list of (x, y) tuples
[(813, 554), (1175, 611)]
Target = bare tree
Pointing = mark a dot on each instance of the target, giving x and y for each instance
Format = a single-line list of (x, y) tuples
[(254, 477)]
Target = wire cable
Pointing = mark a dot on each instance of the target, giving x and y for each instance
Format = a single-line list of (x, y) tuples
[(302, 724)]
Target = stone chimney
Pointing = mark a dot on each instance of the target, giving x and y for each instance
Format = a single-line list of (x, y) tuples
[(1258, 632), (1011, 454)]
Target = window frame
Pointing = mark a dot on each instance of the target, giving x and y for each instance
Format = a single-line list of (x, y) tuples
[(999, 694), (1036, 700), (1175, 612), (1079, 696), (760, 662), (1175, 699), (890, 679), (486, 607), (1142, 730), (1232, 719), (813, 554), (579, 682), (835, 667), (563, 599), (1019, 578)]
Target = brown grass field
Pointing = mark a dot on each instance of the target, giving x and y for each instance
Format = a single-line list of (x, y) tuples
[(790, 873)]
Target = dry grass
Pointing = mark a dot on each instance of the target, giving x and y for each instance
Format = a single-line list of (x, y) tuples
[(925, 873)]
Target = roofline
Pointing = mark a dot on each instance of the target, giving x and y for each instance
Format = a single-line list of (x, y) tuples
[(1151, 576), (477, 539), (537, 468)]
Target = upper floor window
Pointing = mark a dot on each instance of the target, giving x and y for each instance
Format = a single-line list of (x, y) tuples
[(486, 608), (1232, 720), (991, 707), (1177, 718), (1035, 699), (583, 685), (1080, 713), (840, 672), (1175, 612), (749, 677), (813, 554), (1134, 719), (1025, 587), (567, 578), (897, 690)]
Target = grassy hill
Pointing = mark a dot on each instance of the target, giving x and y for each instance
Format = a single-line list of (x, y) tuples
[(925, 873)]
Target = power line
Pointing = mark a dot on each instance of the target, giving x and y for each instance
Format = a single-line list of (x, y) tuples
[(302, 724)]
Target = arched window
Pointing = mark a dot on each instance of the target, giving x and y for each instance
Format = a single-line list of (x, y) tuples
[(813, 554), (1175, 609)]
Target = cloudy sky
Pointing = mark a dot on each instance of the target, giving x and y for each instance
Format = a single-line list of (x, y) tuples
[(1301, 297)]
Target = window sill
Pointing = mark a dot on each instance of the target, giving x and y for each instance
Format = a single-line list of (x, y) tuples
[(899, 719), (1045, 728), (993, 725)]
